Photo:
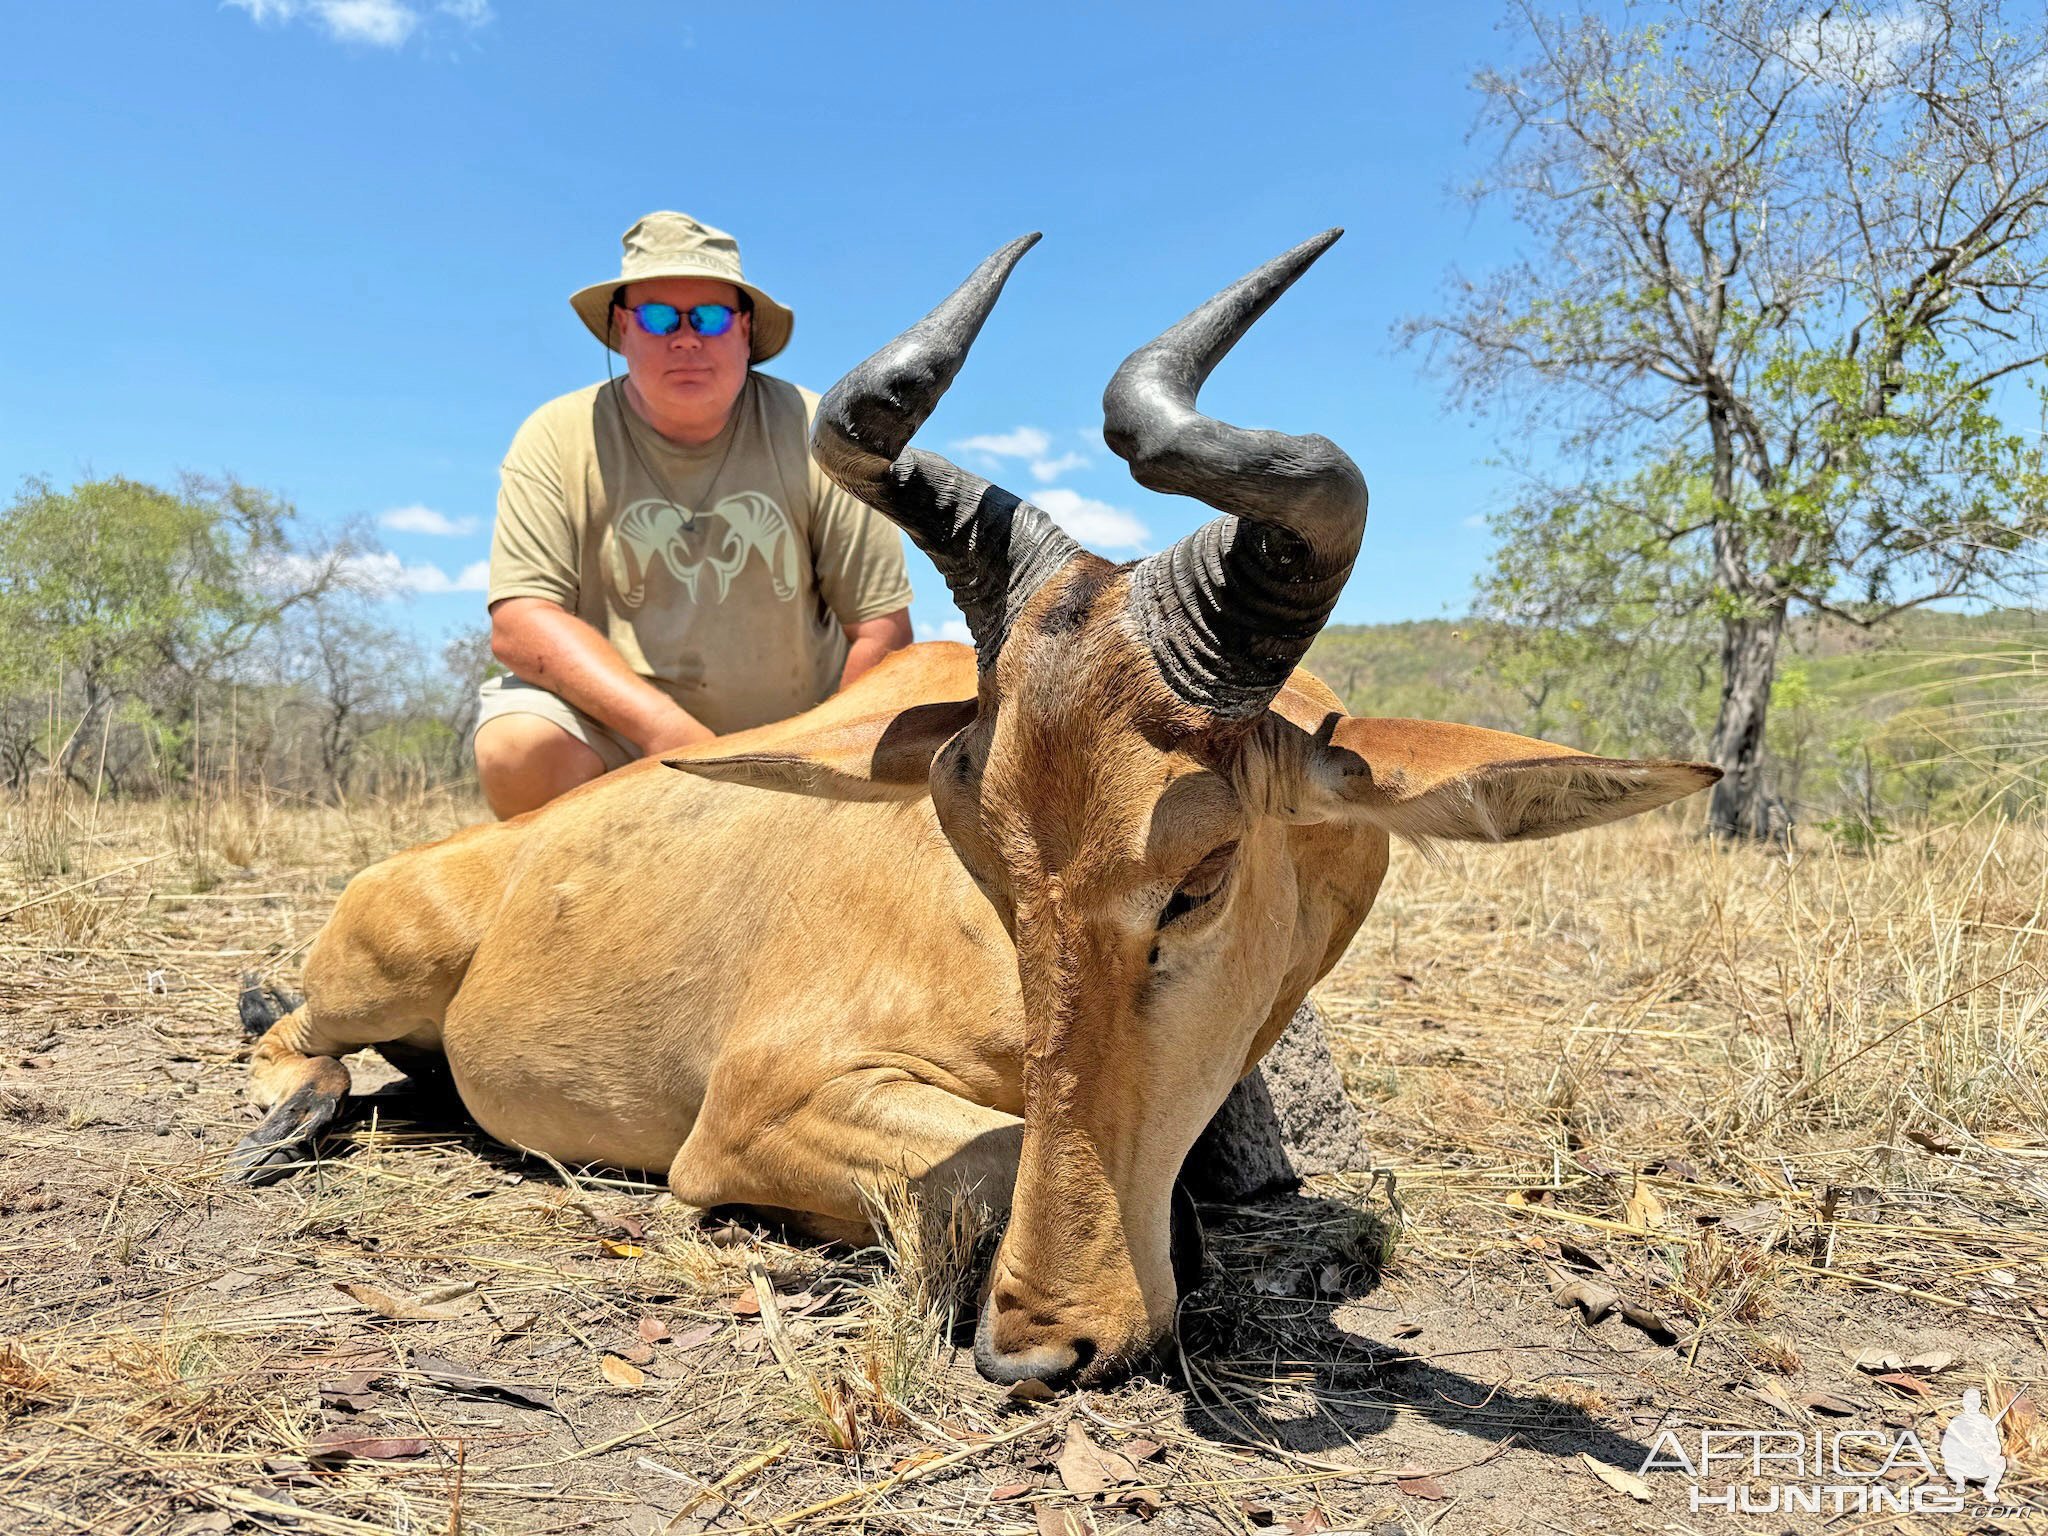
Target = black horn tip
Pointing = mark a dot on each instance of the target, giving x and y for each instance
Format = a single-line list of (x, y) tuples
[(1007, 256)]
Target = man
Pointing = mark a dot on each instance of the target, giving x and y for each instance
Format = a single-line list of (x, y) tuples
[(668, 564)]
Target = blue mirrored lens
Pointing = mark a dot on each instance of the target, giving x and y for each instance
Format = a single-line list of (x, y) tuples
[(659, 319), (711, 319)]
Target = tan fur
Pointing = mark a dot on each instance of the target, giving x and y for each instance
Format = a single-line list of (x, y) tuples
[(913, 933)]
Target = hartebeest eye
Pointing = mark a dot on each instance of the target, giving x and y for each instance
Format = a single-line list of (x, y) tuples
[(1202, 885)]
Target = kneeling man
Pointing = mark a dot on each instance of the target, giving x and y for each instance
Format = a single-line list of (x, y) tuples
[(667, 563)]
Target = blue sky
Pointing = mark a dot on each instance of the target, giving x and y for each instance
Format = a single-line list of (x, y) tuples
[(326, 245)]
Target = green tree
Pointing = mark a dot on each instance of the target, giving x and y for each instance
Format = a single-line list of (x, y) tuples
[(1787, 269), (119, 589)]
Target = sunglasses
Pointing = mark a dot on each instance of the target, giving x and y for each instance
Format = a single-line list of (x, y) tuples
[(667, 319)]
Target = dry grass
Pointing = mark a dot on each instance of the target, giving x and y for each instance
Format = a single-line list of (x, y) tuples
[(1795, 1108)]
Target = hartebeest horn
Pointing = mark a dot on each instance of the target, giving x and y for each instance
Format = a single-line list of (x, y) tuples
[(1230, 609), (993, 549)]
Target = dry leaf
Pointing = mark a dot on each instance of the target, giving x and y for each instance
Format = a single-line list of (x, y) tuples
[(1058, 1520), (349, 1447), (1141, 1450), (1594, 1301), (1830, 1404), (612, 1248), (639, 1353), (1423, 1488), (1933, 1363), (1031, 1390), (1009, 1491), (1618, 1480), (703, 1333), (1651, 1324), (1309, 1524), (430, 1306), (1643, 1210), (1933, 1144), (745, 1304), (351, 1393), (1087, 1468), (1142, 1502), (460, 1378), (1580, 1258), (622, 1373), (916, 1458), (1908, 1386), (653, 1329), (1406, 1328)]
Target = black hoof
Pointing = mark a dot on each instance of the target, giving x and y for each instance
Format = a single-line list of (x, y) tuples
[(285, 1141)]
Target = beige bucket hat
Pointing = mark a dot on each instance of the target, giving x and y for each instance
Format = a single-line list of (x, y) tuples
[(676, 245)]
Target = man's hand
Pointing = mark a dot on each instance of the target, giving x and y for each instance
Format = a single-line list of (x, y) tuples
[(678, 729), (545, 644)]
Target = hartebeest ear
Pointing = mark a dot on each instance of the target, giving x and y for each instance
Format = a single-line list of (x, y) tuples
[(885, 756), (1423, 779)]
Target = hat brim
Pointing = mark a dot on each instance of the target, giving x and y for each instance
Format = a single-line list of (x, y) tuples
[(772, 322)]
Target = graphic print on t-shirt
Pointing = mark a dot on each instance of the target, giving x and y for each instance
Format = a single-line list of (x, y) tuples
[(718, 541)]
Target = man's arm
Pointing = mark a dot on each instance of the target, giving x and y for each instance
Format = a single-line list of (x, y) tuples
[(545, 644), (871, 639)]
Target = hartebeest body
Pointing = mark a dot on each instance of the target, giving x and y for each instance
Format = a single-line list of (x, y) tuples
[(1011, 919)]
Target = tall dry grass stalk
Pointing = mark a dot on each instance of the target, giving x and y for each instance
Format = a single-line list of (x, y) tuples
[(1975, 713), (1640, 993)]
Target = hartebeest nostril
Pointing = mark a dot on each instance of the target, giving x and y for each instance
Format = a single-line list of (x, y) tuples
[(1053, 1362)]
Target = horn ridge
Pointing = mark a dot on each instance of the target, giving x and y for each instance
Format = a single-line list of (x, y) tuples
[(1229, 610), (992, 548)]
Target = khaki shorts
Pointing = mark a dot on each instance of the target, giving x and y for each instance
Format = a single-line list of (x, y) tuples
[(509, 695)]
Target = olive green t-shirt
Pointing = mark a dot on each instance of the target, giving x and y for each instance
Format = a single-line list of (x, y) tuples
[(724, 574)]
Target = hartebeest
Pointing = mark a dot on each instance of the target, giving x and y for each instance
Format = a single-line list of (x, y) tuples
[(1012, 918)]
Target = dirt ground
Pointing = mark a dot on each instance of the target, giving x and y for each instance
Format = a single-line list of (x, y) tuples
[(1671, 1139)]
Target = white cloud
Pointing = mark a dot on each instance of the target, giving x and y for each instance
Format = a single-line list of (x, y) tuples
[(380, 23), (1476, 520), (376, 23), (1024, 443), (1095, 523), (1857, 48), (1051, 469), (474, 577), (377, 574), (419, 519), (952, 629)]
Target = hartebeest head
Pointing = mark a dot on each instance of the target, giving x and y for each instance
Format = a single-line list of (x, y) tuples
[(1178, 839)]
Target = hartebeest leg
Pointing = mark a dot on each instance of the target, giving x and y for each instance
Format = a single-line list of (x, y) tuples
[(303, 1094), (296, 1074), (814, 1158)]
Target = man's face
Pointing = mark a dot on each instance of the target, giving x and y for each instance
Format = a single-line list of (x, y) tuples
[(686, 382)]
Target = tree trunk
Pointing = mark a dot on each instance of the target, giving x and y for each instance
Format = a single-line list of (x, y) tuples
[(80, 739), (1741, 806)]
